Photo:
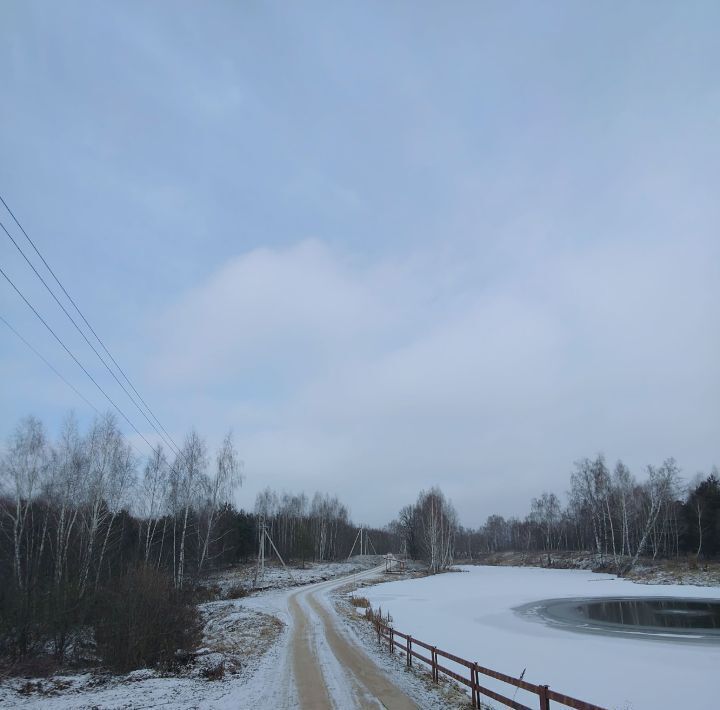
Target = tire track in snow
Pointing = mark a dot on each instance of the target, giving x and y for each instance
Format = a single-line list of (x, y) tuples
[(373, 687), (329, 669), (341, 695)]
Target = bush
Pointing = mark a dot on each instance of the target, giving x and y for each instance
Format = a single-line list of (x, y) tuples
[(214, 672), (236, 592), (143, 621)]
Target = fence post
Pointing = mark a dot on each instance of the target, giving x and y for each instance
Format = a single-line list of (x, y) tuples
[(474, 685), (544, 700), (392, 642), (409, 651), (433, 656)]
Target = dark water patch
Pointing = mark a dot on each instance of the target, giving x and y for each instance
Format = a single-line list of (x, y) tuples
[(660, 617)]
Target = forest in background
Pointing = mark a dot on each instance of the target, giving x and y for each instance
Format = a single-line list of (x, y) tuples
[(613, 515), (98, 546), (102, 550)]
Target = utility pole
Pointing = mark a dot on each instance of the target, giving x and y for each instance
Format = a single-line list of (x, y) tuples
[(260, 568), (365, 543)]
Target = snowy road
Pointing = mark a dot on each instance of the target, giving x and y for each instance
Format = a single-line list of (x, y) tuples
[(318, 662), (322, 666)]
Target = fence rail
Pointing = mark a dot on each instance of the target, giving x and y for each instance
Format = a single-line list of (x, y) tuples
[(472, 681)]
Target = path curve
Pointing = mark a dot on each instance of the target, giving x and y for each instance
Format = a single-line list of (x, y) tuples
[(330, 669)]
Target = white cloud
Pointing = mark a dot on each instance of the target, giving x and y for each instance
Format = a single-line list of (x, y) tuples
[(385, 376)]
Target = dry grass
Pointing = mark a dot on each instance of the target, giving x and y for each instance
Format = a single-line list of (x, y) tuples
[(372, 615), (361, 602)]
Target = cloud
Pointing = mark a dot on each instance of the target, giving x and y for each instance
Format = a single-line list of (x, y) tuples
[(287, 308), (384, 376), (515, 259)]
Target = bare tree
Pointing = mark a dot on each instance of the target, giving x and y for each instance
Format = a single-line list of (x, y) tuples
[(190, 465), (220, 488), (661, 489), (22, 470), (545, 511), (153, 498), (438, 521), (110, 471)]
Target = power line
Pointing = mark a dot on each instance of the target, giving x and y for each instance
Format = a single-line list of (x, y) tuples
[(79, 364), (51, 366), (94, 349), (60, 375), (87, 323)]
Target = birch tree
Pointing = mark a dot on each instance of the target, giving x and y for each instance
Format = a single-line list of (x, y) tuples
[(661, 490), (438, 521), (220, 488), (154, 499), (190, 465), (22, 470)]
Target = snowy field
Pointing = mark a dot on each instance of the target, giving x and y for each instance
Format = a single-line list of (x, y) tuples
[(471, 615)]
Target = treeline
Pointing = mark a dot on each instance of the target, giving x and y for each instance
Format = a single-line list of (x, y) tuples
[(99, 545), (427, 529), (317, 529), (615, 516), (77, 521)]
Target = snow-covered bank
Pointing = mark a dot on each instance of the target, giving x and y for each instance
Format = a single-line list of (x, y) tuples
[(471, 614), (682, 570)]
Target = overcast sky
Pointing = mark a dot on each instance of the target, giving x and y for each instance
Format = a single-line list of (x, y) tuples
[(390, 245)]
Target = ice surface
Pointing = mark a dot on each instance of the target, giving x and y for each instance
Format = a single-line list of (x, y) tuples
[(470, 614)]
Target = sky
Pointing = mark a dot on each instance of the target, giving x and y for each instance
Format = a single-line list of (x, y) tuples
[(389, 245)]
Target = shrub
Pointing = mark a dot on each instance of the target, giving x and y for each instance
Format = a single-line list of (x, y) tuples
[(236, 592), (143, 621), (215, 672)]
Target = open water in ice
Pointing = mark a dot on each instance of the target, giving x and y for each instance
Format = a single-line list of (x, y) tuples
[(666, 617)]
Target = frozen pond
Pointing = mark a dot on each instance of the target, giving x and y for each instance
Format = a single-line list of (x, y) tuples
[(474, 615), (665, 618)]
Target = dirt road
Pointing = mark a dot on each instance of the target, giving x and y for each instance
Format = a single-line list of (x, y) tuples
[(329, 669)]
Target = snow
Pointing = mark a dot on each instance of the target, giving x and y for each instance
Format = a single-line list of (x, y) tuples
[(241, 638), (417, 686), (471, 614), (276, 576), (260, 692), (250, 636)]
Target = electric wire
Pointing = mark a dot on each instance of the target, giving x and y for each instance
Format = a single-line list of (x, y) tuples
[(52, 367), (60, 375), (79, 364), (94, 349), (87, 323)]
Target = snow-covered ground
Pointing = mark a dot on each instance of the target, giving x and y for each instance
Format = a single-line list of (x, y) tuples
[(262, 691), (252, 637), (241, 637), (471, 614), (278, 577)]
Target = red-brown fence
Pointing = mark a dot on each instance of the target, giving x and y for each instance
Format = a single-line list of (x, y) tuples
[(477, 691)]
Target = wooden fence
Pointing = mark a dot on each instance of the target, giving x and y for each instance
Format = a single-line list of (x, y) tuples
[(472, 681)]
